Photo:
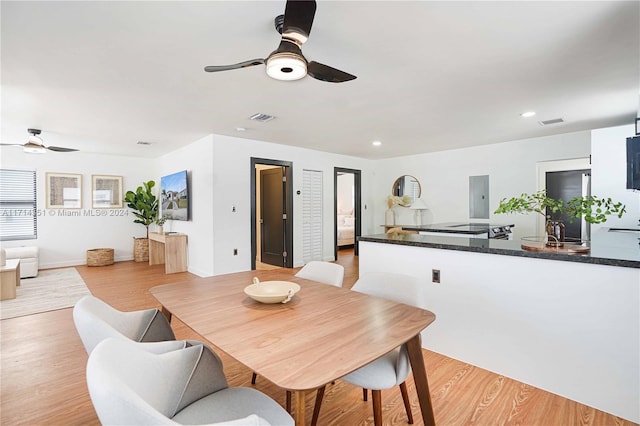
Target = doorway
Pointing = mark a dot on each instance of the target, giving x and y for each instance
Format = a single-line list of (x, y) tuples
[(566, 185), (271, 213), (347, 199), (566, 179)]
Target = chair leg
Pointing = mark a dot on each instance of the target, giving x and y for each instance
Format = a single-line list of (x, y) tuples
[(316, 408), (376, 395), (253, 378), (405, 398), (364, 394), (288, 402)]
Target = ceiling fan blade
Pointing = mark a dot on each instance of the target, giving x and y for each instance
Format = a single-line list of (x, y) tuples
[(11, 144), (250, 63), (326, 73), (298, 19), (60, 149)]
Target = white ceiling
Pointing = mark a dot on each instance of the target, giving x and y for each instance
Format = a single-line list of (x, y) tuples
[(100, 76)]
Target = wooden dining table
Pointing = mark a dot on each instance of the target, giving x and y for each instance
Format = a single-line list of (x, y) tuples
[(322, 334)]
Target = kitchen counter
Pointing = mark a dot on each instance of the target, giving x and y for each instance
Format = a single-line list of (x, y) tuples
[(608, 247), (567, 323)]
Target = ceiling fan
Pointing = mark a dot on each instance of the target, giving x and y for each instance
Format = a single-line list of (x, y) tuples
[(35, 145), (287, 61)]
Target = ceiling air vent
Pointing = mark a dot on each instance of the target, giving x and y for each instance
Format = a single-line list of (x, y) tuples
[(262, 117), (553, 121)]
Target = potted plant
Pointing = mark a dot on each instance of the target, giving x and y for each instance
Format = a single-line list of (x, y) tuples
[(145, 208), (592, 208), (392, 201), (161, 221)]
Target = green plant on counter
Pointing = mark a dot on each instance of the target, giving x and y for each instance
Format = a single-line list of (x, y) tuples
[(592, 208), (144, 204), (526, 203)]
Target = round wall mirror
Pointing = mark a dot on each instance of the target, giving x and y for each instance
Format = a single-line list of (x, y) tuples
[(407, 185)]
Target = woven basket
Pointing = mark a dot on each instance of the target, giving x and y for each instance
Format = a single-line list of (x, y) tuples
[(141, 249), (100, 257)]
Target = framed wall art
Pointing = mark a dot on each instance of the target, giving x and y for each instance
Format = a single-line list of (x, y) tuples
[(64, 190), (106, 192)]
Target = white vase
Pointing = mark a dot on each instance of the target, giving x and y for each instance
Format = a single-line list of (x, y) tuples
[(390, 217), (3, 257), (418, 217), (160, 230)]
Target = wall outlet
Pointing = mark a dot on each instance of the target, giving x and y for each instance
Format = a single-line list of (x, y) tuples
[(435, 275), (235, 252), (233, 209)]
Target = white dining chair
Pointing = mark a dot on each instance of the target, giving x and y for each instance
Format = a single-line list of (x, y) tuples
[(172, 383), (393, 368), (322, 272), (95, 320)]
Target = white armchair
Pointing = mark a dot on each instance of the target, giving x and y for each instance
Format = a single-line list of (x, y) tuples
[(96, 320), (169, 383)]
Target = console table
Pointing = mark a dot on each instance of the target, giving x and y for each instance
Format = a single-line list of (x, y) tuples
[(170, 249), (9, 279)]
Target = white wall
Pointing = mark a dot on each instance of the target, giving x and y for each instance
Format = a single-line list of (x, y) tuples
[(231, 186), (64, 240), (219, 172), (219, 169), (197, 159), (444, 177), (609, 174)]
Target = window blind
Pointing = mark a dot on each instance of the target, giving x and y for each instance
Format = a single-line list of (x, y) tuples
[(18, 208)]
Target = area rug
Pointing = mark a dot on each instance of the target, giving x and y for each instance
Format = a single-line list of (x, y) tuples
[(50, 290)]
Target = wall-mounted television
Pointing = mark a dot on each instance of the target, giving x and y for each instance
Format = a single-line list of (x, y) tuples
[(174, 196), (633, 163)]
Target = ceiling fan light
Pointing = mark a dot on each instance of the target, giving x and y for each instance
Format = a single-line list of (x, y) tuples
[(33, 148), (286, 66)]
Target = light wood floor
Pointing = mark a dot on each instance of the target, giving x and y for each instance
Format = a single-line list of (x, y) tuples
[(43, 371)]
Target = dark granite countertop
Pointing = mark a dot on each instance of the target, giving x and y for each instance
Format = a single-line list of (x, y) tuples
[(612, 248)]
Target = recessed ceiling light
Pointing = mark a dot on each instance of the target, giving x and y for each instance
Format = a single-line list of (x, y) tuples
[(144, 143), (240, 129), (528, 114), (376, 143)]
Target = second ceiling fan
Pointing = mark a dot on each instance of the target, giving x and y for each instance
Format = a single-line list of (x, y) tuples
[(34, 144), (287, 61)]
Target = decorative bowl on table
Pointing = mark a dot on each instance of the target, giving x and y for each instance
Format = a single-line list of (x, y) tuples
[(271, 291)]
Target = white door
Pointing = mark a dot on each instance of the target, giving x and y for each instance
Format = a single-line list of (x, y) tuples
[(311, 215)]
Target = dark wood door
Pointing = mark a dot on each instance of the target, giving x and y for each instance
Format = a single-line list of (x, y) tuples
[(272, 241), (566, 185)]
